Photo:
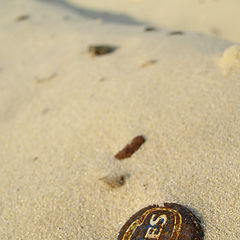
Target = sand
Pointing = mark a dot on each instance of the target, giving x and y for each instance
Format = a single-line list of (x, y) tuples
[(64, 115), (214, 17)]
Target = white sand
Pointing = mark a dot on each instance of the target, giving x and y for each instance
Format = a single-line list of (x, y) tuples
[(61, 126)]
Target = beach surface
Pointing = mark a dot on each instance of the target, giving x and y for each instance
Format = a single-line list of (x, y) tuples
[(65, 113), (212, 17)]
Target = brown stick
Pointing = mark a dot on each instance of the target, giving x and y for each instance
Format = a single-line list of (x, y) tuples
[(131, 148)]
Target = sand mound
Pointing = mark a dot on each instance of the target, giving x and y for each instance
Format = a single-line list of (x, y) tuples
[(65, 113)]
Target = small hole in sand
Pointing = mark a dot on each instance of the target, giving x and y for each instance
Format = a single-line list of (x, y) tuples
[(22, 17), (45, 111), (115, 181), (215, 31), (150, 29)]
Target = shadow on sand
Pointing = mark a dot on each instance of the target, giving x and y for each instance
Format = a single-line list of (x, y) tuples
[(105, 16)]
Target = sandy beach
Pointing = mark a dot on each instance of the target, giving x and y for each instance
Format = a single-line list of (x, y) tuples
[(65, 113)]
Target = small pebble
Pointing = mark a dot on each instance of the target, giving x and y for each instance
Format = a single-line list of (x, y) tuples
[(98, 50), (148, 63), (176, 33), (150, 29), (22, 17), (46, 79)]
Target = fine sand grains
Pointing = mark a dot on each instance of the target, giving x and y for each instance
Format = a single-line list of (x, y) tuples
[(64, 116)]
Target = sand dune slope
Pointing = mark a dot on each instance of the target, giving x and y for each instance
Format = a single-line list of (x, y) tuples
[(64, 115)]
